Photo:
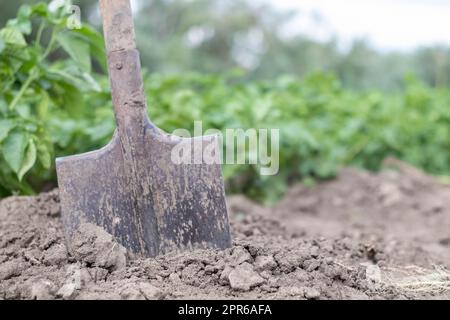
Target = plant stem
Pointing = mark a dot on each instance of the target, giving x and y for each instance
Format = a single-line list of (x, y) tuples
[(24, 87), (39, 33), (50, 46)]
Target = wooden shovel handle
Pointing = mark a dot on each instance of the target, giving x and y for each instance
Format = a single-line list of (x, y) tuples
[(124, 66), (118, 26)]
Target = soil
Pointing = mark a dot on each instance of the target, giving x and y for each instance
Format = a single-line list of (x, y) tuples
[(360, 236)]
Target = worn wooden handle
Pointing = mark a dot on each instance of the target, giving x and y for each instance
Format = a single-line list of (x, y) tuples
[(124, 66), (118, 26)]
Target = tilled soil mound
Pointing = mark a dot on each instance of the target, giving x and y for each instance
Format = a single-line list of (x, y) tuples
[(361, 236)]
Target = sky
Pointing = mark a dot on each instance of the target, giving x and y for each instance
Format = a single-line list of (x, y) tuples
[(387, 24)]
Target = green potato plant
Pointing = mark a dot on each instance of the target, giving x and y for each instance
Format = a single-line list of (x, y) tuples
[(45, 74), (55, 101)]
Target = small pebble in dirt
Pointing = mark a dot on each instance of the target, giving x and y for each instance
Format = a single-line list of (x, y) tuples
[(225, 274), (75, 279), (311, 264), (42, 290), (311, 293), (55, 255), (67, 291), (240, 255), (98, 274), (11, 269), (293, 291), (314, 251), (174, 277), (273, 282), (263, 263), (150, 292), (301, 275), (33, 256), (266, 274), (373, 272), (267, 288), (244, 278), (131, 292)]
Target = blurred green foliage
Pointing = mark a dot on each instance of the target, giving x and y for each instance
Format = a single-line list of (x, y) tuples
[(39, 95), (214, 36), (322, 124), (61, 107)]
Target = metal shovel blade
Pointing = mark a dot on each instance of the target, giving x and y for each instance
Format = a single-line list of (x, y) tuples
[(134, 188), (150, 204)]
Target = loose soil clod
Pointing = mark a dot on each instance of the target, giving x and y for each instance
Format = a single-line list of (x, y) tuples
[(362, 236)]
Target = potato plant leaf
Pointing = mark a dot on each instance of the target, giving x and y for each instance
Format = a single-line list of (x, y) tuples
[(29, 159), (13, 36), (77, 48), (5, 126), (44, 155), (13, 149)]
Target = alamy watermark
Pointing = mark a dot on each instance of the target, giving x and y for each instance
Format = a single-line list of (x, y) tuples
[(74, 19), (73, 13), (235, 146)]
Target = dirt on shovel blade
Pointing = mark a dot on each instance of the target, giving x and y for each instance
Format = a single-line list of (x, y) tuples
[(361, 236)]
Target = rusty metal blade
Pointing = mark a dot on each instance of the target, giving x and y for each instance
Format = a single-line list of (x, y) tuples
[(148, 203), (132, 188)]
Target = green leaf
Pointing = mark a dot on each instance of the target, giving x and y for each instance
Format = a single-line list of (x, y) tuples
[(40, 9), (43, 105), (78, 49), (23, 21), (78, 81), (23, 25), (25, 12), (23, 110), (44, 155), (29, 159), (13, 37), (96, 42), (14, 149), (5, 127), (94, 85), (3, 107)]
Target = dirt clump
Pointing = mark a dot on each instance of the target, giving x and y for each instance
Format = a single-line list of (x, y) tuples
[(96, 248), (244, 277), (361, 236)]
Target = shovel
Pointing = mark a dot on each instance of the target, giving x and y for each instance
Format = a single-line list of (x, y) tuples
[(132, 188)]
